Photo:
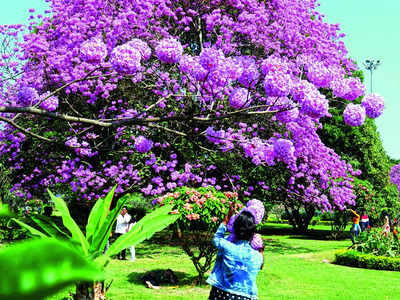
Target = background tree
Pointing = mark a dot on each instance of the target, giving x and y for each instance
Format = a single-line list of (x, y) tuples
[(362, 148)]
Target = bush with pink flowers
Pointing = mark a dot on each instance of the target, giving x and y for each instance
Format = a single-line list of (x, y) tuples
[(202, 210)]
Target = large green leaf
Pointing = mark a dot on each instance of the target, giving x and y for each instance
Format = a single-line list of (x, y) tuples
[(98, 215), (4, 212), (32, 230), (144, 229), (69, 223), (102, 235), (38, 268), (49, 227)]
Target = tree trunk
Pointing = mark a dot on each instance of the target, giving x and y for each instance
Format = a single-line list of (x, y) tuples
[(82, 291), (90, 291), (99, 291), (300, 221)]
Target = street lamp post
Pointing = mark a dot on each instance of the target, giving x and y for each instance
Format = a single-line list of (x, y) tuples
[(371, 65)]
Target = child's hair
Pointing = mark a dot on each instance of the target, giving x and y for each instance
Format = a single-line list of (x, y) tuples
[(244, 226)]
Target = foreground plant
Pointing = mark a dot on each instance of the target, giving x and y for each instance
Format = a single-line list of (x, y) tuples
[(90, 246), (38, 268)]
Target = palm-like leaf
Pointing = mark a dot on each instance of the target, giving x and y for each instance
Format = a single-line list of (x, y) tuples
[(38, 268), (102, 234), (31, 229), (49, 227), (98, 215), (144, 229), (69, 223)]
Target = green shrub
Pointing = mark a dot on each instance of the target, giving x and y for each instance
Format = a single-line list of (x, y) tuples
[(315, 220), (354, 258), (201, 212), (378, 243)]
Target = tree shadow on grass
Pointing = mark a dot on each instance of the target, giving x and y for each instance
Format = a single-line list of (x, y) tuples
[(184, 279), (308, 237), (311, 233), (149, 249), (279, 247)]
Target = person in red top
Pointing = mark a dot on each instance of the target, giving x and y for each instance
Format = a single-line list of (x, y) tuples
[(364, 222), (355, 228)]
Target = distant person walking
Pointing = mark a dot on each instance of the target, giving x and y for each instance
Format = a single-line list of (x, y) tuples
[(122, 227), (355, 228), (364, 222)]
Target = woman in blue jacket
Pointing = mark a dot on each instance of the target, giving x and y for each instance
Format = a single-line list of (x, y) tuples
[(237, 263)]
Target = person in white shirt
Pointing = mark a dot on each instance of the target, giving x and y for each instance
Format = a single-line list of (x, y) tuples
[(122, 227)]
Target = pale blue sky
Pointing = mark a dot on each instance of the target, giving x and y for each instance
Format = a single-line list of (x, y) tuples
[(372, 28)]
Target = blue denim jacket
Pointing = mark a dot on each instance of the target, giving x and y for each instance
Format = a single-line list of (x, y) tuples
[(236, 267)]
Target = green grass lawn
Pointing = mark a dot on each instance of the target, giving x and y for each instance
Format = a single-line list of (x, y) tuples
[(296, 267)]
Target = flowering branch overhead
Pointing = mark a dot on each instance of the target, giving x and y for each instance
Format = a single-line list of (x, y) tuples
[(154, 96)]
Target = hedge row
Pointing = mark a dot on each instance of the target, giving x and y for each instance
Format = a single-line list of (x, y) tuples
[(354, 258)]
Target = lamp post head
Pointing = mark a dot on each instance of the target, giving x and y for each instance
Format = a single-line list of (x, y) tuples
[(371, 64)]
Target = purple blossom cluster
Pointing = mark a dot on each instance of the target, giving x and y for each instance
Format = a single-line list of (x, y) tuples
[(374, 105), (82, 148), (395, 175), (274, 64), (142, 47), (239, 98), (287, 110), (284, 150), (312, 102), (256, 208), (27, 96), (125, 59), (210, 59), (320, 75), (257, 242), (250, 74), (323, 171), (277, 84), (142, 144), (288, 115), (93, 51), (169, 51), (354, 114), (348, 88), (48, 102)]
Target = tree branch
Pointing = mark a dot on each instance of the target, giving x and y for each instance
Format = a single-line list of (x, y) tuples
[(12, 123), (130, 121)]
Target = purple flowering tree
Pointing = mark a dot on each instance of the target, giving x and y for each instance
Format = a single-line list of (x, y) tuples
[(148, 94), (395, 176)]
